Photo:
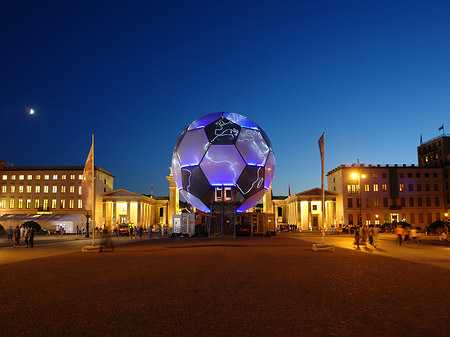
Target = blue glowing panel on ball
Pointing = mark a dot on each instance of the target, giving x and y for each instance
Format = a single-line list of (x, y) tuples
[(270, 170), (193, 147), (252, 147), (223, 150), (222, 165), (176, 170), (204, 121)]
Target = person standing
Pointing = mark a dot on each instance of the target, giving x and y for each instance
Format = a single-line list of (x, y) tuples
[(150, 231), (10, 233), (399, 232), (27, 236), (413, 233), (31, 237), (357, 237), (16, 236), (375, 231), (406, 233)]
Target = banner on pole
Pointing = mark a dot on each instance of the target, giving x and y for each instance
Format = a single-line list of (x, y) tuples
[(86, 184)]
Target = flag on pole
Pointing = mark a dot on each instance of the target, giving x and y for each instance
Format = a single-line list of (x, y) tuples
[(322, 159), (289, 190), (86, 184), (420, 139), (151, 191), (322, 156), (442, 127)]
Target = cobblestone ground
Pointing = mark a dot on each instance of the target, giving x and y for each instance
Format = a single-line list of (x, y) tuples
[(223, 287)]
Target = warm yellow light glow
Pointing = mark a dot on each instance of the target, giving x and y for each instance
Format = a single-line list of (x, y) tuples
[(446, 214), (354, 176), (363, 176)]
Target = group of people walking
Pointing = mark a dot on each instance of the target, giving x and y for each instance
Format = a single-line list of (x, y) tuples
[(406, 234), (364, 233), (25, 233)]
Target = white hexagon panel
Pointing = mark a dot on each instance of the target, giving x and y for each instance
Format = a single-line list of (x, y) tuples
[(223, 150)]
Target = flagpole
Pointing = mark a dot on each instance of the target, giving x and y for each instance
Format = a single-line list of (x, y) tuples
[(93, 194), (323, 190)]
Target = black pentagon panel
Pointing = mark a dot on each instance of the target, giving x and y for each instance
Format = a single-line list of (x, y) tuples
[(251, 180), (180, 138), (194, 181), (238, 197), (209, 197), (266, 139), (222, 132)]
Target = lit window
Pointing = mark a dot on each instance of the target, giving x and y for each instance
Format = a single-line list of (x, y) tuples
[(55, 177), (72, 177), (62, 203), (80, 203), (36, 203), (79, 190), (63, 177), (3, 203), (376, 202), (29, 177), (21, 177), (20, 203), (45, 205), (218, 194), (55, 189), (366, 188), (11, 203), (71, 203), (63, 189), (28, 205), (375, 187), (72, 189), (38, 189), (13, 177), (80, 177), (384, 187), (20, 188), (28, 188), (46, 177), (13, 189), (5, 177), (53, 203), (402, 187), (375, 175), (46, 189), (4, 188), (227, 193), (38, 177)]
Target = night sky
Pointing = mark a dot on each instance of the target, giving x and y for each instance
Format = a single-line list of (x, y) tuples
[(372, 75)]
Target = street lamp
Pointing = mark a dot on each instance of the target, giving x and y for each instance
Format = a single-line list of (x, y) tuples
[(446, 223), (358, 177)]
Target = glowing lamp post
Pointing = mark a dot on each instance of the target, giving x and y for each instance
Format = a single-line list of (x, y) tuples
[(446, 223), (358, 177)]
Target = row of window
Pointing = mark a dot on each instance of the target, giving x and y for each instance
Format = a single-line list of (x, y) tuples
[(37, 189), (376, 202), (352, 218), (45, 176), (409, 175), (354, 188), (28, 203)]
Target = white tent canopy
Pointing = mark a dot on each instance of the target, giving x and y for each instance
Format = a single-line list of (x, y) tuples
[(47, 221)]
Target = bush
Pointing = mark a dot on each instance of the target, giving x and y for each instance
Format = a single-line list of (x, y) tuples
[(33, 224)]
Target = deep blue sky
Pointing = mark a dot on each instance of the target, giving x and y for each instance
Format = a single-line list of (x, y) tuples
[(372, 75)]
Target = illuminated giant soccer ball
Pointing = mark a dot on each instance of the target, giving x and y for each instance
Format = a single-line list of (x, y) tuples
[(227, 152)]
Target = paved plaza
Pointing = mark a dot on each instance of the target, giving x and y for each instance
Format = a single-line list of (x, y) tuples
[(274, 286)]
